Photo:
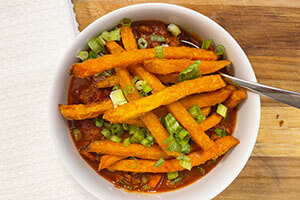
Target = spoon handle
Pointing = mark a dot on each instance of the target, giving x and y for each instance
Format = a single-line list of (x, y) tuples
[(285, 96)]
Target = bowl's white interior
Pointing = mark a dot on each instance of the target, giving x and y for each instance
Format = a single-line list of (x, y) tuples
[(248, 116)]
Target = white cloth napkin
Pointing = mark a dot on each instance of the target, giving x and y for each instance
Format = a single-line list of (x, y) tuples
[(33, 36)]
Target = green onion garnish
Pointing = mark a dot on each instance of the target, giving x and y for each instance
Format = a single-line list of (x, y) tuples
[(113, 35), (99, 122), (183, 134), (185, 161), (158, 38), (138, 135), (125, 127), (219, 50), (94, 45), (77, 134), (135, 79), (171, 124), (117, 129), (117, 97), (133, 129), (139, 84), (197, 114), (146, 142), (129, 90), (159, 162), (172, 175), (174, 29), (116, 87), (146, 87), (126, 142), (106, 133), (205, 44), (101, 41), (115, 138), (159, 52), (202, 171), (107, 125), (105, 35), (109, 72), (126, 22), (93, 55), (83, 55), (142, 43), (150, 138), (222, 110), (191, 72), (220, 132)]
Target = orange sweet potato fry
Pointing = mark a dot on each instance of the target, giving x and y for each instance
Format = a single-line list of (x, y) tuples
[(211, 121), (109, 82), (108, 160), (209, 98), (179, 112), (118, 149), (169, 78), (151, 121), (155, 179), (164, 66), (128, 38), (199, 157), (94, 66), (88, 155), (81, 111), (169, 95), (236, 98)]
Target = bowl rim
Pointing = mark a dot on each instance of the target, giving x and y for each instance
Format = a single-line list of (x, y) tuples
[(88, 31)]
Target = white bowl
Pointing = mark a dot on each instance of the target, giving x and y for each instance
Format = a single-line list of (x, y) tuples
[(248, 115)]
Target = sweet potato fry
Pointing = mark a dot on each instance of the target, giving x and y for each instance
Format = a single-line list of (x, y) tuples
[(211, 121), (169, 95), (155, 179), (221, 146), (81, 111), (118, 149), (128, 38), (164, 66), (108, 160), (149, 119), (179, 112), (209, 98), (88, 155), (94, 66), (236, 98), (169, 78), (109, 82)]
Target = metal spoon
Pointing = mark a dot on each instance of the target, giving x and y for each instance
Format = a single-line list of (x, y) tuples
[(285, 96)]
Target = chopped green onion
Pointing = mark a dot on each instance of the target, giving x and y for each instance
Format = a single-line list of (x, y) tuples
[(135, 79), (172, 175), (83, 55), (112, 35), (106, 133), (99, 122), (158, 38), (105, 35), (222, 110), (133, 129), (116, 87), (108, 72), (125, 127), (146, 87), (205, 44), (96, 75), (107, 125), (101, 41), (197, 114), (191, 72), (159, 53), (174, 29), (115, 138), (220, 132), (126, 22), (150, 138), (159, 162), (142, 93), (183, 134), (146, 187), (178, 179), (142, 43), (202, 171), (219, 50), (186, 148), (126, 142), (139, 84), (137, 163), (117, 129), (77, 134), (94, 45), (146, 142), (93, 55), (138, 135), (171, 124), (117, 98), (129, 90), (185, 161), (173, 145)]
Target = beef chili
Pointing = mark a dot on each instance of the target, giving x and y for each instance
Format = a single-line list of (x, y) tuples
[(85, 131)]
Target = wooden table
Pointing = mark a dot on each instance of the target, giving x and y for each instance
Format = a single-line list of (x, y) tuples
[(269, 33)]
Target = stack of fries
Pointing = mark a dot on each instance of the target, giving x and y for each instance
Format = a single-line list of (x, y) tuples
[(205, 91)]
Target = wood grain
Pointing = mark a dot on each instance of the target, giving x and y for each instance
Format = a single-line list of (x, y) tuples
[(268, 31)]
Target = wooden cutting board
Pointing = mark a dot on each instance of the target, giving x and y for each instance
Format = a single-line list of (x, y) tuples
[(269, 33)]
